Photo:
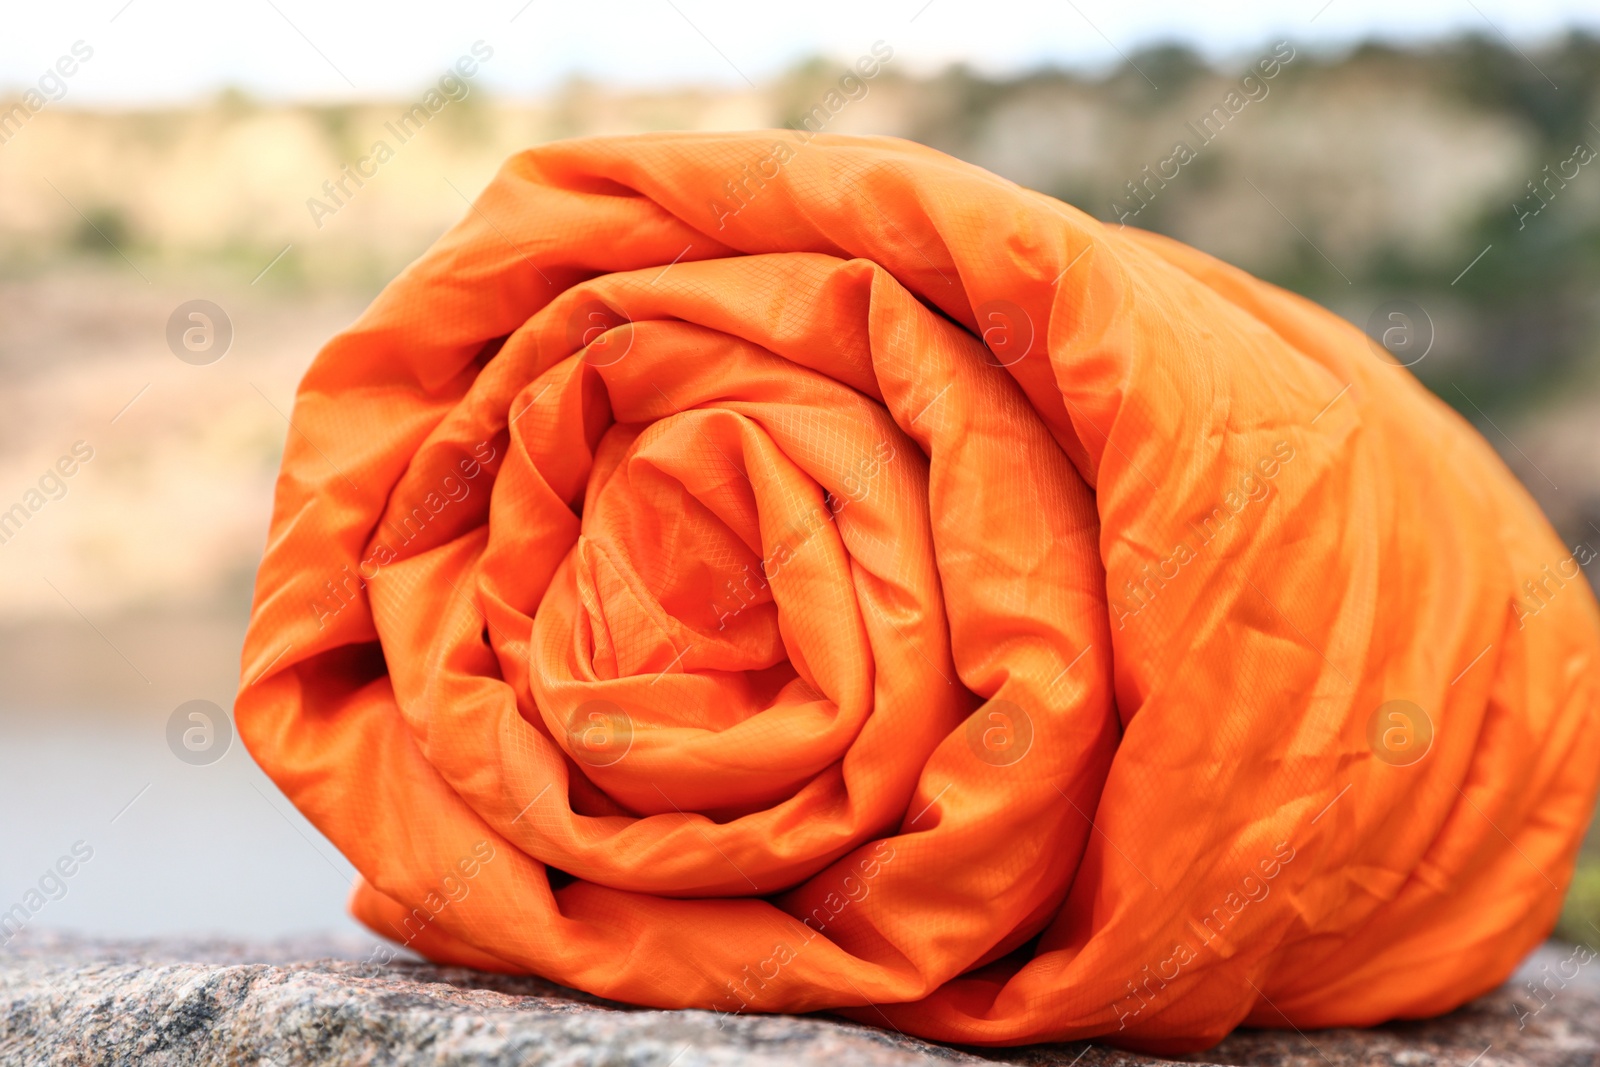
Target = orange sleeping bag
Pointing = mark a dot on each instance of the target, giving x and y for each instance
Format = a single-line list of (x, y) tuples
[(766, 572)]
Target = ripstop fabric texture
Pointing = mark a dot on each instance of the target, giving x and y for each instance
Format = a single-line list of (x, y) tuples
[(776, 572)]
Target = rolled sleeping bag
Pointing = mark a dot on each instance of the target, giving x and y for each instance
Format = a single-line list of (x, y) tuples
[(769, 572)]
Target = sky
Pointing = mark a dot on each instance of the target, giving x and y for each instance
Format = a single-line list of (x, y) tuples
[(148, 52)]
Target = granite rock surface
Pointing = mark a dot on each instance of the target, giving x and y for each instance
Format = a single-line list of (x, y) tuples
[(70, 1000)]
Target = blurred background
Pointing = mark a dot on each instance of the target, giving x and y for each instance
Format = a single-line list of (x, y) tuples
[(1440, 163)]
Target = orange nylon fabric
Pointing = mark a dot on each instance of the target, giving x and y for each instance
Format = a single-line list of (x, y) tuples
[(669, 593)]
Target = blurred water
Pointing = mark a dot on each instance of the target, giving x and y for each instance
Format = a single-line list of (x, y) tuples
[(176, 848)]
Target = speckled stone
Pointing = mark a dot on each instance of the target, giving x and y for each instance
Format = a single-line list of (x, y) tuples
[(67, 1000)]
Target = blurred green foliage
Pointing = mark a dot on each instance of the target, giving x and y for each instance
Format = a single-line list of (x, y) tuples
[(1528, 312), (1580, 917)]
